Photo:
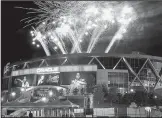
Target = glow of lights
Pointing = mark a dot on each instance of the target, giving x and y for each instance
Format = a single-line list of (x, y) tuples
[(124, 30), (64, 29), (89, 27), (34, 39), (22, 89), (123, 21), (107, 15), (58, 88), (33, 43), (53, 22), (38, 36), (131, 90), (51, 37), (96, 20), (31, 32), (55, 39), (50, 93), (63, 18), (105, 26), (86, 33), (64, 14), (119, 36), (89, 22), (13, 94), (155, 97), (94, 25), (49, 33), (44, 99), (127, 9), (2, 99), (113, 21), (148, 109), (91, 10), (43, 23), (80, 41), (55, 47), (38, 46), (69, 21), (44, 37)]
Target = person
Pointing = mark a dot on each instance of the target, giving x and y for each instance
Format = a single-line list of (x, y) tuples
[(77, 83), (30, 115), (54, 79), (24, 82), (41, 80), (79, 80)]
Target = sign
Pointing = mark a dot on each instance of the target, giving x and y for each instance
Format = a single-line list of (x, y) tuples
[(42, 92), (55, 69), (47, 70)]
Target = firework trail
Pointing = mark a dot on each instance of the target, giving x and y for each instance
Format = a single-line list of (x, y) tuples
[(117, 36), (60, 21), (95, 38), (125, 20)]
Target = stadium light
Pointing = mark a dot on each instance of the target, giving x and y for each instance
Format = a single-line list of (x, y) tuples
[(22, 89), (43, 23), (155, 97), (50, 93), (44, 99), (13, 94), (148, 109), (131, 90)]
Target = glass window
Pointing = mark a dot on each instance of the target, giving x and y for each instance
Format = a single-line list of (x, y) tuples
[(22, 81), (48, 79)]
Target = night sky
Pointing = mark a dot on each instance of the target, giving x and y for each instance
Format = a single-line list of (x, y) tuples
[(144, 36), (16, 40)]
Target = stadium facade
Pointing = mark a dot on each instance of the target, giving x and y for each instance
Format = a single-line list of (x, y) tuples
[(78, 83)]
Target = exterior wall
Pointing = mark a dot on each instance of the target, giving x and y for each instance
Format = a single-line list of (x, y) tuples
[(130, 64)]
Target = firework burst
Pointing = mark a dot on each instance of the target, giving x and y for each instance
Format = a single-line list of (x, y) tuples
[(60, 23)]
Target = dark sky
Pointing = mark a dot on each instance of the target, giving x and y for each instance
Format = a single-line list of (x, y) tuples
[(145, 35), (16, 40)]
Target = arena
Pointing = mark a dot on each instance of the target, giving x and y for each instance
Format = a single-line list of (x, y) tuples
[(84, 84)]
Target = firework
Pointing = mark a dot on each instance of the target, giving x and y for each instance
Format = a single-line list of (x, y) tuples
[(67, 23)]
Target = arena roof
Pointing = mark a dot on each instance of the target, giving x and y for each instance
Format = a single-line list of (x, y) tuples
[(77, 55)]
